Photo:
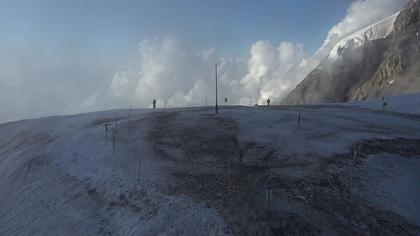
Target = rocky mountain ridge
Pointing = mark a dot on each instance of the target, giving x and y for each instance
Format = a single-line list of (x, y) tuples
[(364, 68)]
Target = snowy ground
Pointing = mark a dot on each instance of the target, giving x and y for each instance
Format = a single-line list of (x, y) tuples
[(347, 169), (409, 103)]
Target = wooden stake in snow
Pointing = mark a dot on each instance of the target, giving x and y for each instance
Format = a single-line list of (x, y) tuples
[(113, 141), (298, 122), (116, 125), (268, 193), (139, 172), (228, 173), (106, 134)]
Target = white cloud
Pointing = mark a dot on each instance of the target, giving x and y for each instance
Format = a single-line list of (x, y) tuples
[(272, 70), (123, 84), (170, 71)]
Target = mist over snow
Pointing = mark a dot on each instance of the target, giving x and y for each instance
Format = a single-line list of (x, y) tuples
[(166, 68)]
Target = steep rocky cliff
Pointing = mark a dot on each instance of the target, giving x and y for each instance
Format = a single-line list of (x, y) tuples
[(397, 73), (358, 68)]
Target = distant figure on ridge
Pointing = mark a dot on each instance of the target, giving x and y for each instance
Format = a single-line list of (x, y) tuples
[(268, 102), (154, 104), (385, 103)]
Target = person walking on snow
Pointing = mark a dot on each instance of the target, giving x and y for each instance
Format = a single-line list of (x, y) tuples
[(268, 102), (154, 104), (385, 103)]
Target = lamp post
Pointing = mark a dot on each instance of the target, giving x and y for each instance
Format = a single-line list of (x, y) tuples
[(217, 105)]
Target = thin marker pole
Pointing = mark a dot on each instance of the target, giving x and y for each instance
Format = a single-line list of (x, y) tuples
[(139, 171), (229, 184), (298, 121), (106, 134), (113, 141)]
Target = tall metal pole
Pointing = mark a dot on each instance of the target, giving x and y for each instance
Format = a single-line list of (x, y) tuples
[(217, 106)]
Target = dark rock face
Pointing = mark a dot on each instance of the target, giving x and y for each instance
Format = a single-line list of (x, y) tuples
[(400, 68), (397, 72), (381, 67), (408, 18), (335, 81)]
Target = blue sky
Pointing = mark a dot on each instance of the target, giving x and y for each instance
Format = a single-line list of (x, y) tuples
[(116, 27), (70, 56)]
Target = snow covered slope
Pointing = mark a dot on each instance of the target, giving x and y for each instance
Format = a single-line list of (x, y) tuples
[(190, 172), (377, 30), (409, 103)]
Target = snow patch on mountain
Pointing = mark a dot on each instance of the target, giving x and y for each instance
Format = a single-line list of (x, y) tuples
[(378, 30)]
